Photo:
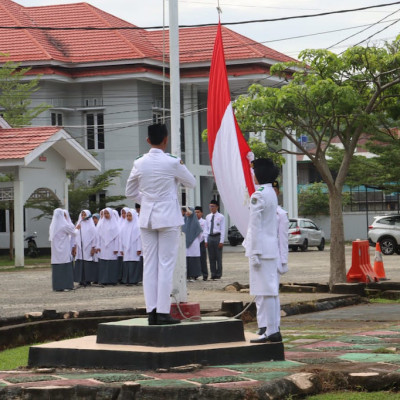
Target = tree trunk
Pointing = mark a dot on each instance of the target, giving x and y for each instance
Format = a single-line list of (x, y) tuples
[(337, 254), (11, 226)]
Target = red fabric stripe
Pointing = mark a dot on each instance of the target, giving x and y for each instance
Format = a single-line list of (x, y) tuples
[(218, 99)]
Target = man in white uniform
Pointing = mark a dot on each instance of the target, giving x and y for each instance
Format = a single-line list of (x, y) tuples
[(262, 248), (214, 239), (153, 183)]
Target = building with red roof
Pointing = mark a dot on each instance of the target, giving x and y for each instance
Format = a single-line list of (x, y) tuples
[(103, 78)]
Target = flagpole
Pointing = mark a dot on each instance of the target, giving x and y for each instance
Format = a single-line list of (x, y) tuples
[(179, 290), (174, 78)]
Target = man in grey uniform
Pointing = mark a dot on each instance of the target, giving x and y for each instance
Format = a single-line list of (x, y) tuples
[(153, 182)]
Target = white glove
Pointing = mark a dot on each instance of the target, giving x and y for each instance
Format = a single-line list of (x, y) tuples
[(255, 261), (282, 269)]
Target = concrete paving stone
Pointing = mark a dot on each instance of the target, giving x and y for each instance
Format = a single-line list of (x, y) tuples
[(387, 333), (325, 344), (168, 383), (356, 347), (218, 379), (233, 385), (108, 377), (360, 339), (266, 376), (29, 378), (263, 366), (204, 372), (370, 357)]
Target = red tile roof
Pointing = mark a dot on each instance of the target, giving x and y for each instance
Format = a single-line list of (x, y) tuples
[(17, 143), (84, 46)]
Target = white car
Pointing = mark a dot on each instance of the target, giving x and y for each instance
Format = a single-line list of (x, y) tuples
[(386, 230), (304, 233)]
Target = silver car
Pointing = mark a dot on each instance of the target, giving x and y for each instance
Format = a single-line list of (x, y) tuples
[(304, 233), (385, 230)]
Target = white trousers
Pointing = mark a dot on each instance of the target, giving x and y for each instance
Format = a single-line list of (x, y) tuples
[(268, 313), (160, 252)]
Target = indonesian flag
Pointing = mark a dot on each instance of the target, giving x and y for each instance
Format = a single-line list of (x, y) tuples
[(230, 155)]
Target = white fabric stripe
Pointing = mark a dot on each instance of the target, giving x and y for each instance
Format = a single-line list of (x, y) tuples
[(228, 172)]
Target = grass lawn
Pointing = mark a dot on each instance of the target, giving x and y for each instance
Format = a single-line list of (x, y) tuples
[(14, 358), (7, 264)]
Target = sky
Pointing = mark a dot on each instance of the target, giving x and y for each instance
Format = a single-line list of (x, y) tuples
[(149, 13)]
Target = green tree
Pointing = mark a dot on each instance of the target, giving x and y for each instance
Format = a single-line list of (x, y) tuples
[(80, 193), (329, 98), (16, 94), (15, 102), (314, 200)]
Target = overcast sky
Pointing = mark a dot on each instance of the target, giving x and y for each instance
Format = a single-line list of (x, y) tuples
[(149, 13)]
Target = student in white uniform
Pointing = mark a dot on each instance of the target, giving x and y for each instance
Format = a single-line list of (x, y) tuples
[(85, 270), (203, 251), (108, 247), (283, 238), (262, 248), (153, 183), (131, 249), (60, 232), (214, 239), (193, 235)]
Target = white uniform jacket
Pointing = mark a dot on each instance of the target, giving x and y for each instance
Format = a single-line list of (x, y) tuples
[(262, 238), (158, 175), (283, 239), (219, 226)]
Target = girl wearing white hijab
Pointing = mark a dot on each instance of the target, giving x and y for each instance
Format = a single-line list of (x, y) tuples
[(60, 232), (122, 222), (131, 249), (108, 247), (86, 270)]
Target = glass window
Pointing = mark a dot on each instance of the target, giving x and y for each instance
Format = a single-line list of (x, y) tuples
[(95, 131)]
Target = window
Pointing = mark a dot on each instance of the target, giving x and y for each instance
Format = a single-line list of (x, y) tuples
[(95, 131), (3, 221), (56, 119)]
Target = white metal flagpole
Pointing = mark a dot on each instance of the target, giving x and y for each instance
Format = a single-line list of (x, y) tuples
[(179, 290)]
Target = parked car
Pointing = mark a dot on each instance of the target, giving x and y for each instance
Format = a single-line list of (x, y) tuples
[(234, 236), (304, 233), (385, 229)]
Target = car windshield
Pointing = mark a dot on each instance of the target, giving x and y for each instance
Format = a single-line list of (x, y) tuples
[(292, 224)]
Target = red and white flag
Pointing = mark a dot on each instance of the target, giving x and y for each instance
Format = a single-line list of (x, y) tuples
[(230, 155)]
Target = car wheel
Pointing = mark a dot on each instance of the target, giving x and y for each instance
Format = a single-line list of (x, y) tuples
[(321, 245), (388, 246), (294, 248), (304, 246)]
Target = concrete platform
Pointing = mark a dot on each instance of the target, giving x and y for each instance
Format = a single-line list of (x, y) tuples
[(136, 331), (153, 353)]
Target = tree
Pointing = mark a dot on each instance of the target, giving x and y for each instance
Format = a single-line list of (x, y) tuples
[(16, 94), (15, 101), (314, 200), (329, 98), (81, 194)]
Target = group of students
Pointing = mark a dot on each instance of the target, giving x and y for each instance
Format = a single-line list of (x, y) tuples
[(202, 235), (102, 248)]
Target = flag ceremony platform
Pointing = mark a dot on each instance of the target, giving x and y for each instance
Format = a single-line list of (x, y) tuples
[(133, 344)]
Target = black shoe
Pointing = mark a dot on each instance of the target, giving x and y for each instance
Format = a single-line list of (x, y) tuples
[(261, 331), (204, 278), (153, 317), (166, 319), (274, 338)]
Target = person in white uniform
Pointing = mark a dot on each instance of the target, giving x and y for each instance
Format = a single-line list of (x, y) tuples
[(214, 239), (60, 232), (203, 251), (283, 238), (262, 248), (153, 183)]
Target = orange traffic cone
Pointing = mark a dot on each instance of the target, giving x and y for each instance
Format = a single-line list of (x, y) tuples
[(378, 263)]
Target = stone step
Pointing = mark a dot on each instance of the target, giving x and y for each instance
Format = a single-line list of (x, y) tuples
[(136, 331)]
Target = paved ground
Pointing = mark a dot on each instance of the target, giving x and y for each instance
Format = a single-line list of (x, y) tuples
[(348, 348), (30, 289)]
